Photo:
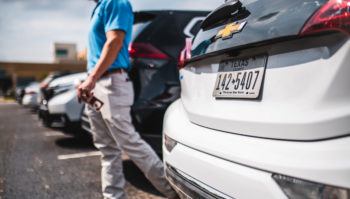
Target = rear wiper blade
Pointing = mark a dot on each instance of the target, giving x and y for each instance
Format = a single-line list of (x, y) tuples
[(223, 12)]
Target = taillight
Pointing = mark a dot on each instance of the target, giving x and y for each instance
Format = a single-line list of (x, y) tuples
[(145, 50), (44, 85), (333, 16), (185, 54)]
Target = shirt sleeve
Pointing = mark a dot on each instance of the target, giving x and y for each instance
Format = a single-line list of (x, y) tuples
[(116, 15)]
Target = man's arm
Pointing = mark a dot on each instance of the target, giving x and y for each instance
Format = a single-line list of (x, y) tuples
[(109, 54)]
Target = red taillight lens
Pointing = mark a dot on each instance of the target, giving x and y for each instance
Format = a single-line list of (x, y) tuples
[(334, 15), (185, 54), (44, 85), (145, 50)]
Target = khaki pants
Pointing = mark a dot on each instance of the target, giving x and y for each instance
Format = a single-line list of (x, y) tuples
[(113, 132)]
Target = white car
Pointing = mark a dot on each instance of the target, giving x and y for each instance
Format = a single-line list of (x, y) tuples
[(265, 103), (62, 107), (31, 95)]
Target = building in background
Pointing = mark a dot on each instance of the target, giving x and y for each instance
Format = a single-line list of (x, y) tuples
[(65, 53), (66, 59), (82, 55)]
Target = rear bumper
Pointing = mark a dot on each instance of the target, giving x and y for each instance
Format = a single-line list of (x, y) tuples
[(66, 104), (30, 101), (242, 167), (188, 187), (198, 175), (57, 119)]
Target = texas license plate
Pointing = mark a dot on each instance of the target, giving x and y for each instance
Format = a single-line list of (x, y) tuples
[(240, 78)]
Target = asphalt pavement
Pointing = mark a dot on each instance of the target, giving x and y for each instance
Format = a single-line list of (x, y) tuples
[(38, 162)]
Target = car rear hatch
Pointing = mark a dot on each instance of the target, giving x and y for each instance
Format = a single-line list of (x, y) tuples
[(281, 66)]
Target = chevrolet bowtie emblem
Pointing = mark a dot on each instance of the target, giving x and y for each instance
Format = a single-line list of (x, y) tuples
[(230, 30)]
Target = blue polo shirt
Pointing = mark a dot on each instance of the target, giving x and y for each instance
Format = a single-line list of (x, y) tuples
[(110, 15)]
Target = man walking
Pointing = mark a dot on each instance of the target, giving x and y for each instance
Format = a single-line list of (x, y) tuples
[(108, 63)]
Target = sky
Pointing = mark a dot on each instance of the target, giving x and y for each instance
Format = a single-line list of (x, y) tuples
[(28, 28)]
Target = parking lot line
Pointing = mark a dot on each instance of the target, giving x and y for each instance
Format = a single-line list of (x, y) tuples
[(79, 155), (53, 133)]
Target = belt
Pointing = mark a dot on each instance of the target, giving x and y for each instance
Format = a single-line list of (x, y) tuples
[(113, 71)]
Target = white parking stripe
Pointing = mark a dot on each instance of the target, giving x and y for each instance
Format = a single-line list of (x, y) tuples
[(79, 155), (3, 103), (53, 133)]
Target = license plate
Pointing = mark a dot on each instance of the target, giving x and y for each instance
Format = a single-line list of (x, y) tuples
[(240, 78)]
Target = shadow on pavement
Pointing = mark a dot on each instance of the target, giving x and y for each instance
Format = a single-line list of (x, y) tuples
[(131, 172), (80, 142), (135, 177)]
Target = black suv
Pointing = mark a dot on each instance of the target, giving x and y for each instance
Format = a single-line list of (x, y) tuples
[(158, 38)]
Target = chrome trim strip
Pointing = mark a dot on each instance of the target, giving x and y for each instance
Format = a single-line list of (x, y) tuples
[(190, 188)]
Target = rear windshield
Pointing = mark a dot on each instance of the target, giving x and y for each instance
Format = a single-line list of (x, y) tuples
[(138, 28), (195, 29), (142, 20)]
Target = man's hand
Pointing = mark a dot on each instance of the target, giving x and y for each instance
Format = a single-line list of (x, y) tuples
[(109, 54), (85, 89)]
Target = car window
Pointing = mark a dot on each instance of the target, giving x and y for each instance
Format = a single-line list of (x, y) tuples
[(193, 26), (195, 29), (141, 21), (138, 28)]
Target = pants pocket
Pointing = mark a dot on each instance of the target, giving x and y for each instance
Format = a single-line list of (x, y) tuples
[(122, 90)]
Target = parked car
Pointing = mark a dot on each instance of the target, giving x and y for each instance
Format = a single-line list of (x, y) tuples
[(158, 38), (31, 94), (52, 76), (21, 85), (265, 103), (19, 94), (60, 105), (45, 83)]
